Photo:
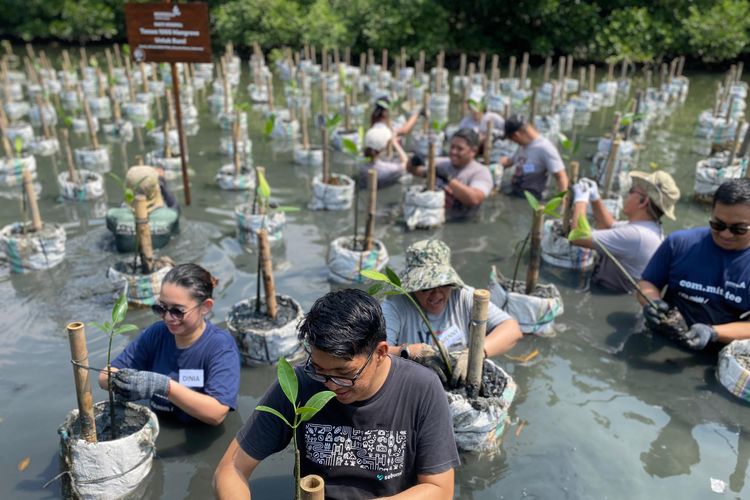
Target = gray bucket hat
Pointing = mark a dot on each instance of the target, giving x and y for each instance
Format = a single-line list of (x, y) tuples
[(428, 265)]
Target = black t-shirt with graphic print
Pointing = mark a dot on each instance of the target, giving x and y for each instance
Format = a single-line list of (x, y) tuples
[(369, 448)]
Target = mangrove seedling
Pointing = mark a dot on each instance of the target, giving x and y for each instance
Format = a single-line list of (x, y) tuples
[(391, 279), (112, 329), (302, 413)]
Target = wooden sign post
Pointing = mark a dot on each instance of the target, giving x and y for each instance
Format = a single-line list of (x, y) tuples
[(170, 33)]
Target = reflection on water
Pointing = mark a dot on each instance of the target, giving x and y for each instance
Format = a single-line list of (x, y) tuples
[(608, 411)]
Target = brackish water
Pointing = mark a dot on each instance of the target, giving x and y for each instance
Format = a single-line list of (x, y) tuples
[(602, 411)]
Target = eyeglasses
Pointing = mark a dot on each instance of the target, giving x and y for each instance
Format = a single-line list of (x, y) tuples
[(736, 229), (175, 312), (339, 381), (635, 191)]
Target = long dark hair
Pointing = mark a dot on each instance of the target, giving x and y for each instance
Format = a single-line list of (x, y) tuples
[(193, 278), (380, 113)]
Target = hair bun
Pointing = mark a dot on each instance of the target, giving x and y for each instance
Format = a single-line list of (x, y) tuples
[(214, 281)]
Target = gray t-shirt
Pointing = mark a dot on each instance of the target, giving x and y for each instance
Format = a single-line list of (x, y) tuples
[(404, 325), (366, 449), (389, 172), (533, 162), (480, 127), (474, 175), (632, 244)]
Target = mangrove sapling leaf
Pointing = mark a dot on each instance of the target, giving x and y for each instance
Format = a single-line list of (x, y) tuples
[(333, 121), (392, 276), (565, 143), (18, 146), (531, 199), (582, 231), (288, 381), (375, 289), (150, 125), (264, 190), (550, 208), (270, 410), (383, 104), (268, 126), (349, 146), (287, 208), (244, 107), (125, 49)]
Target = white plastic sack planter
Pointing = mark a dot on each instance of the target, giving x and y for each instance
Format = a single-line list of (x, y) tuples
[(100, 108), (438, 105), (260, 340), (258, 94), (146, 98), (344, 263), (157, 136), (70, 101), (337, 196), (14, 111), (108, 469), (118, 131), (14, 92), (11, 170), (226, 147), (608, 90), (535, 313), (711, 172), (172, 164), (226, 121), (91, 186), (444, 80), (338, 136), (32, 251), (248, 225), (557, 250), (50, 115), (285, 129), (424, 209), (312, 156), (156, 87), (479, 423), (421, 144), (228, 180), (140, 289), (21, 130), (497, 103), (45, 147), (733, 369), (96, 159), (80, 125), (137, 112)]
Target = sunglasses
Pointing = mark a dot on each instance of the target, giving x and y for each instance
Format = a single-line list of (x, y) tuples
[(175, 312), (735, 229), (339, 381)]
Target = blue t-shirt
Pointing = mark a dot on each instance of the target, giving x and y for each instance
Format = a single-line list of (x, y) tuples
[(210, 366), (706, 283)]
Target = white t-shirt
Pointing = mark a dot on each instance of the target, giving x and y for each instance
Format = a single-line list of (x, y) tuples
[(480, 127)]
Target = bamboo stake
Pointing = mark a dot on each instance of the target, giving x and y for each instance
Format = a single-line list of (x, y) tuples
[(535, 258), (267, 270), (28, 186), (326, 172), (89, 119), (482, 62), (372, 187), (592, 77), (72, 172), (616, 123), (488, 143), (462, 65), (143, 233), (524, 69), (569, 68), (567, 202), (735, 143), (744, 147), (740, 67), (42, 117), (80, 357), (547, 69), (512, 68), (477, 332), (532, 107), (610, 169), (305, 134), (236, 143), (312, 487), (431, 173), (581, 78), (610, 71)]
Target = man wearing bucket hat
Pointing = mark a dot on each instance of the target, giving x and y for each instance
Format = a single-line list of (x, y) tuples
[(446, 302), (478, 119), (466, 181), (534, 161), (144, 180), (375, 143), (631, 242), (706, 272)]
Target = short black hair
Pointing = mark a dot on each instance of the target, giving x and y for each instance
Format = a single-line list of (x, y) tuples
[(343, 324), (513, 124), (733, 192), (467, 134), (193, 278)]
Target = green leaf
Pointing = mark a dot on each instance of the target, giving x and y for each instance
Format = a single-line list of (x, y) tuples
[(374, 275), (126, 49), (93, 62), (383, 104), (268, 127), (18, 143), (565, 143), (582, 231), (392, 276), (392, 292), (314, 405), (270, 410), (99, 326), (349, 146), (375, 289), (263, 189), (120, 309), (551, 207), (243, 106), (150, 125), (129, 195), (124, 329), (68, 121), (287, 208), (333, 121), (287, 380), (533, 202)]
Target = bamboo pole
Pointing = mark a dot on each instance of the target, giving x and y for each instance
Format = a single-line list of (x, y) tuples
[(735, 143), (524, 69), (89, 119), (532, 107), (180, 132), (610, 168), (738, 76), (488, 143), (569, 67), (592, 78), (236, 143), (143, 233), (28, 186), (305, 134), (567, 202), (616, 123), (744, 147), (535, 258), (372, 187), (312, 487), (80, 357), (610, 71), (42, 117), (547, 69), (477, 332), (581, 78), (431, 173), (267, 270), (72, 172), (462, 65), (512, 68)]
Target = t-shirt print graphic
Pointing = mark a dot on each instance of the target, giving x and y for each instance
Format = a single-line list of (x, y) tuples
[(343, 446)]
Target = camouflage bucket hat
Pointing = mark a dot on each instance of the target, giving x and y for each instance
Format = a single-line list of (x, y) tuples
[(660, 187), (428, 265), (144, 180)]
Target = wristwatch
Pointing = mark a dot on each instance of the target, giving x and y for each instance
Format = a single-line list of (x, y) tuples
[(405, 351)]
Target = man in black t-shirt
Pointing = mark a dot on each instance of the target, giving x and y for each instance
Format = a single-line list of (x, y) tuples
[(387, 431)]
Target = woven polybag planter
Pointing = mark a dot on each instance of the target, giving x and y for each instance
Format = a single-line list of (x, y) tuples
[(479, 423), (559, 252), (338, 136), (140, 289), (137, 112), (108, 469), (80, 125), (32, 251), (100, 107), (20, 130), (423, 209), (11, 170), (95, 159), (50, 115), (421, 143), (90, 187), (226, 147), (336, 196), (229, 180), (248, 225), (535, 313), (45, 147), (345, 264), (14, 111), (157, 136), (733, 368), (121, 222), (712, 172), (312, 156), (118, 131), (263, 344)]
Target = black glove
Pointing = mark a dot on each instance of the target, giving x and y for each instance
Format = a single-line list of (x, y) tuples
[(135, 385), (662, 319), (417, 160), (443, 173), (699, 335), (430, 357)]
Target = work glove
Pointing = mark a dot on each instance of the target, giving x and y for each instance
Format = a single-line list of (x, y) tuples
[(699, 335), (430, 357), (662, 319), (442, 172), (460, 365), (593, 188), (581, 192), (135, 385)]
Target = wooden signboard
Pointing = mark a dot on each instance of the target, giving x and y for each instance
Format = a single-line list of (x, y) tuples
[(168, 32)]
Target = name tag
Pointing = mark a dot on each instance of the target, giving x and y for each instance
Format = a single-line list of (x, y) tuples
[(529, 168), (453, 338), (191, 378)]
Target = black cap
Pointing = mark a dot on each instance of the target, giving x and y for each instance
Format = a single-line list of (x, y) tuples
[(467, 134), (513, 124)]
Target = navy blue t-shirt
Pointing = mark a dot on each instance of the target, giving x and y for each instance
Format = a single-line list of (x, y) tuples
[(706, 283), (210, 366)]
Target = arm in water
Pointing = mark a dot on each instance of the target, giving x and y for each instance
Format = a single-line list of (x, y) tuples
[(233, 472)]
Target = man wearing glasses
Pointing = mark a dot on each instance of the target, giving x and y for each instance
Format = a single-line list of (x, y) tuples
[(707, 274), (631, 242), (388, 432)]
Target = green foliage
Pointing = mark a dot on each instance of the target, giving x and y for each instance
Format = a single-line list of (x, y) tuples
[(263, 189), (332, 122), (18, 146), (127, 194), (550, 208), (719, 32), (268, 126), (582, 231), (349, 146)]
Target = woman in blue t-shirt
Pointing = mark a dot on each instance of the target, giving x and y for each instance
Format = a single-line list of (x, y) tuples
[(187, 367)]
